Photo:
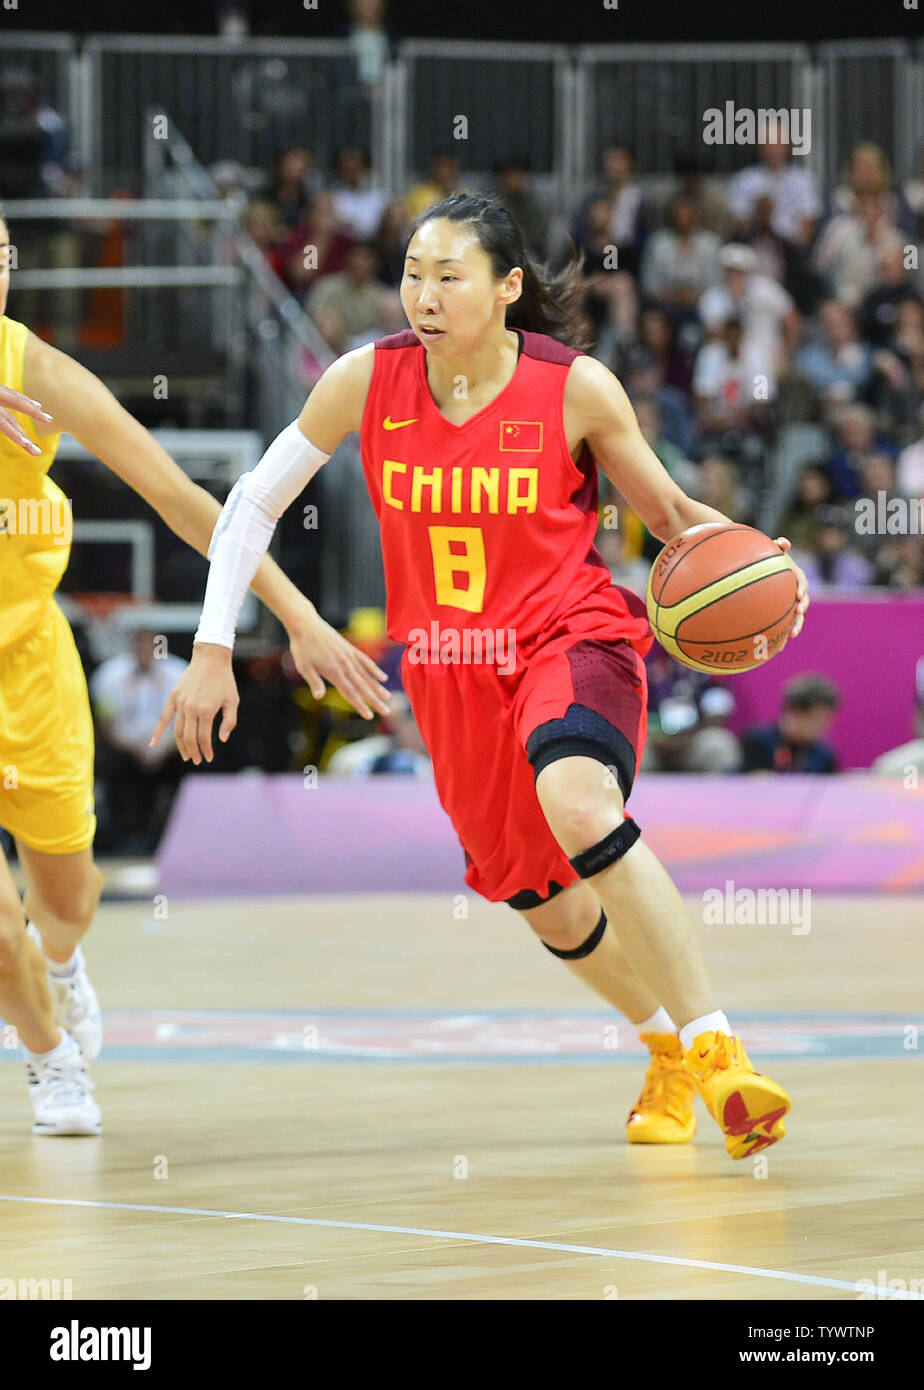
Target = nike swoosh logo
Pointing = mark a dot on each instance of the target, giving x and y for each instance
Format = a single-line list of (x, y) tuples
[(391, 424)]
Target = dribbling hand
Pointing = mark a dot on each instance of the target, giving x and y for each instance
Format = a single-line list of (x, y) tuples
[(802, 593)]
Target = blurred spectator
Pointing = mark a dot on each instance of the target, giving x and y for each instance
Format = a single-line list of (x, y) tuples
[(708, 196), (399, 750), (720, 487), (909, 757), (687, 713), (128, 693), (37, 159), (626, 227), (37, 163), (443, 180), (293, 181), (630, 572), (713, 747), (849, 251), (796, 742), (611, 301), (878, 486), (910, 471), (813, 490), (643, 378), (879, 312), (900, 562), (914, 194), (773, 254), (790, 185), (352, 305), (856, 436), (840, 366), (315, 248), (683, 472), (262, 224), (358, 208), (674, 351), (731, 384), (832, 561), (368, 39), (769, 319), (391, 240), (869, 179), (512, 187), (682, 260)]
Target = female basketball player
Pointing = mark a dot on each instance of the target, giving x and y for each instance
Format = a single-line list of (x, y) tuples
[(46, 731), (481, 435)]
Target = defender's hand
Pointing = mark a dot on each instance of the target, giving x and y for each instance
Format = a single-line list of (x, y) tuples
[(11, 400), (205, 687)]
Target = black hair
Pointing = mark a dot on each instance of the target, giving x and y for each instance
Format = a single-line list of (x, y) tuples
[(549, 303), (809, 692)]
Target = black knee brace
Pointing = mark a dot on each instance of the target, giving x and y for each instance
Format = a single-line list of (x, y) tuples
[(585, 948), (612, 847)]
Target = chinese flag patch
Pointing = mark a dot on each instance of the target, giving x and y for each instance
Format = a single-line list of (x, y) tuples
[(520, 436)]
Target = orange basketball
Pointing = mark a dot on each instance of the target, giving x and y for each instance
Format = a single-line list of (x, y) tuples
[(722, 597)]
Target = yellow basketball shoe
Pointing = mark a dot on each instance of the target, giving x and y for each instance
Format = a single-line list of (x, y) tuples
[(663, 1113), (747, 1107)]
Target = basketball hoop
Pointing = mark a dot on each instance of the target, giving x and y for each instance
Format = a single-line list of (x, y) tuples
[(99, 614)]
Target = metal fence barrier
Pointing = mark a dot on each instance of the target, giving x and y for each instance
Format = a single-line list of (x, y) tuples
[(247, 99)]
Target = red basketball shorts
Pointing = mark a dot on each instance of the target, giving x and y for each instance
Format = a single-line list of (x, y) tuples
[(490, 730)]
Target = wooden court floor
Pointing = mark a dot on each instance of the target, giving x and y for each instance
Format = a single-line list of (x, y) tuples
[(364, 1097)]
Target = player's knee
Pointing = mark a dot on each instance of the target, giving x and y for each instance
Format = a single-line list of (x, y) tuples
[(577, 826), (73, 906), (580, 806), (12, 935)]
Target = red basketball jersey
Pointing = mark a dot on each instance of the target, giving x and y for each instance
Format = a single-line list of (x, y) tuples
[(489, 524)]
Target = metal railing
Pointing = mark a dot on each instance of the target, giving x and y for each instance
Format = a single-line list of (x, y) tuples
[(280, 339), (561, 104)]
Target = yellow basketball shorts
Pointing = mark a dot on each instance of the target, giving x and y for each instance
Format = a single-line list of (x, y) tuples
[(46, 740)]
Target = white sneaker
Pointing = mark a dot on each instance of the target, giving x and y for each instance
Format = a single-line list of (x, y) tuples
[(76, 1007), (61, 1091)]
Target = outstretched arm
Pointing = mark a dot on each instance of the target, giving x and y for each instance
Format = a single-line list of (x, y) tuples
[(85, 408), (596, 399)]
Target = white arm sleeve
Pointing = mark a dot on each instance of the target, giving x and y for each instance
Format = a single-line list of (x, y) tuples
[(245, 528)]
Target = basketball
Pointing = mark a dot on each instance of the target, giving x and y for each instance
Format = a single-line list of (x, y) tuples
[(722, 597)]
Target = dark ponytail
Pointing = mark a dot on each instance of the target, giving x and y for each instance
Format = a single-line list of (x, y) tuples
[(549, 303)]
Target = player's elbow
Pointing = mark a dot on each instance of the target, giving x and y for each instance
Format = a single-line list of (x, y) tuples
[(665, 518)]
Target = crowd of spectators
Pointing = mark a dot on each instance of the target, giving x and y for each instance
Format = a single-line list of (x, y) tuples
[(729, 310)]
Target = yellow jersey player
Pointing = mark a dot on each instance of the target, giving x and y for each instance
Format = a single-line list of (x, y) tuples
[(46, 730)]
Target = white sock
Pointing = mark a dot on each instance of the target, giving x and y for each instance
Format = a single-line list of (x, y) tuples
[(61, 969), (709, 1023), (63, 1046), (660, 1022)]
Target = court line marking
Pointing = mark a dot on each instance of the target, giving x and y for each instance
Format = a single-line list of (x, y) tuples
[(468, 1236)]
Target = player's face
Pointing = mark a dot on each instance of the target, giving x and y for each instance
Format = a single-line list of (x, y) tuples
[(448, 291), (4, 265)]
